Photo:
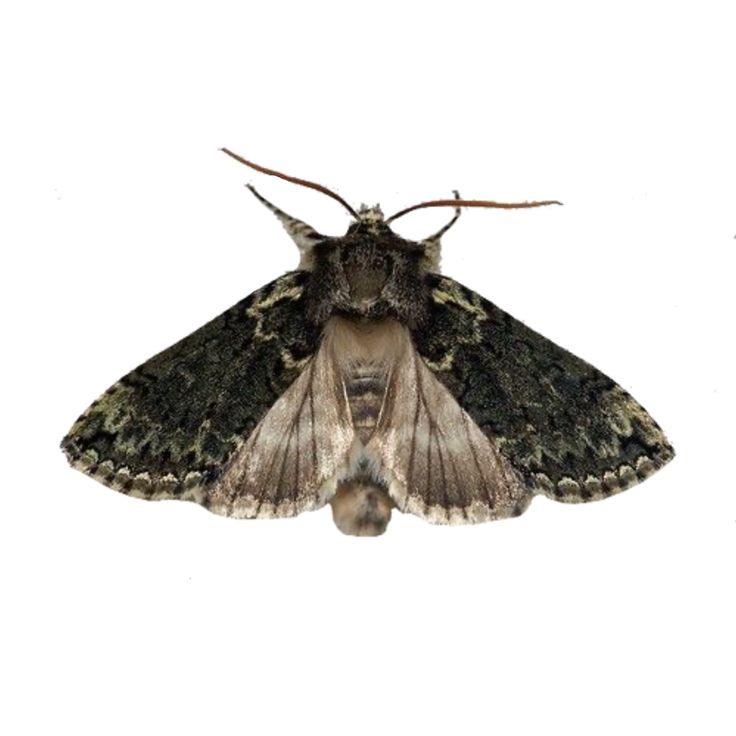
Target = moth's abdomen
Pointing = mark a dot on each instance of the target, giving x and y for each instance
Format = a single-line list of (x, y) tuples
[(361, 507), (365, 386)]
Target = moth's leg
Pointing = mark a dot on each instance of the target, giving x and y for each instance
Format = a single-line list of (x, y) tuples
[(435, 239), (432, 244), (305, 236)]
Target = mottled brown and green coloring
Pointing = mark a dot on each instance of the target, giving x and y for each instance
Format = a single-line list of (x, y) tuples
[(367, 380)]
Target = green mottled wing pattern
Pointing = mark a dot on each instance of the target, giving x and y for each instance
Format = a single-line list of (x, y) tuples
[(168, 428), (570, 431)]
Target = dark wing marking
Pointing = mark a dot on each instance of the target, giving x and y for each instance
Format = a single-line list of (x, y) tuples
[(291, 461), (572, 432), (440, 465), (168, 428)]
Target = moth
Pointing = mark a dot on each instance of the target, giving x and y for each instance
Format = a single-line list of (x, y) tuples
[(367, 380)]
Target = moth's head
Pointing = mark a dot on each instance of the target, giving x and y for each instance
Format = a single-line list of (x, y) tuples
[(370, 216), (370, 272), (369, 221)]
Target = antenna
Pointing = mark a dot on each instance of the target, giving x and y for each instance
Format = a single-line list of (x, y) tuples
[(293, 180), (472, 203)]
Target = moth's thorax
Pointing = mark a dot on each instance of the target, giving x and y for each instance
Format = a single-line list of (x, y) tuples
[(370, 273)]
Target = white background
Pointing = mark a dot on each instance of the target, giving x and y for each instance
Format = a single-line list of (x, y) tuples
[(123, 229)]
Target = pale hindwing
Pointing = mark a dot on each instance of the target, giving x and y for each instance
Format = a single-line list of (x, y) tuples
[(439, 464), (290, 462)]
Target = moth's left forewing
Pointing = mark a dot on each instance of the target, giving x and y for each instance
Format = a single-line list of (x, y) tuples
[(171, 427), (568, 430)]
